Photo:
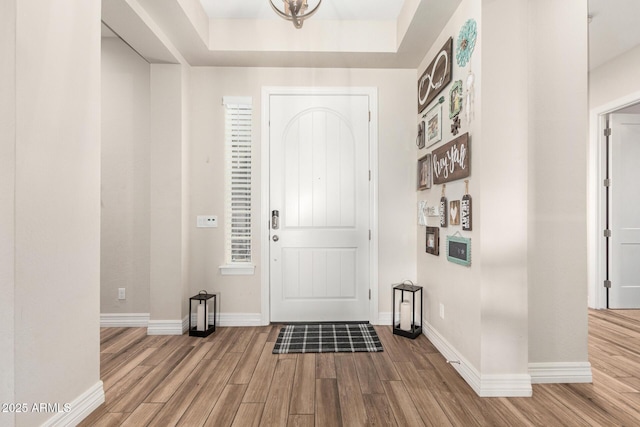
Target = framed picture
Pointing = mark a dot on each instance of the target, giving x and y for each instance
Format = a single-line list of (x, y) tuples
[(420, 137), (424, 172), (434, 125), (454, 212), (459, 250), (436, 77), (422, 212), (455, 99), (452, 160), (433, 241)]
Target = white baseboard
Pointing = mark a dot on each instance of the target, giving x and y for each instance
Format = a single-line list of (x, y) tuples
[(560, 372), (185, 323), (231, 319), (384, 318), (240, 319), (124, 320), (80, 408), (166, 327), (509, 385), (174, 327)]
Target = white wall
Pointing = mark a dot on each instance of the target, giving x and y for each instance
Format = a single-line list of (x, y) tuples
[(558, 182), (124, 247), (57, 205), (397, 217), (185, 190), (7, 204), (615, 79), (504, 177), (454, 286), (144, 188), (166, 193)]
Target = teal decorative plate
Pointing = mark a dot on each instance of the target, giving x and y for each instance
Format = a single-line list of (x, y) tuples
[(466, 42)]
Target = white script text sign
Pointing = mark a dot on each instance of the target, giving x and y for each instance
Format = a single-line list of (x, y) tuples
[(452, 161)]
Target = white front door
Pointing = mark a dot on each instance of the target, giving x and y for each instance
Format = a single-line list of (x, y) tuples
[(624, 214), (319, 186)]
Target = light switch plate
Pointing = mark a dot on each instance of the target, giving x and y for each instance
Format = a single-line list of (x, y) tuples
[(207, 221)]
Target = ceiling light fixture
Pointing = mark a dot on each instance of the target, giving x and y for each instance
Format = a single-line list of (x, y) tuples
[(295, 11)]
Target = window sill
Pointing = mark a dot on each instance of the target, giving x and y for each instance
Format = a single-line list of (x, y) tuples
[(237, 269)]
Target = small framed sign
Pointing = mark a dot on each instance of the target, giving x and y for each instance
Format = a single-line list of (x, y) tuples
[(433, 241), (452, 161), (422, 212), (455, 99), (465, 212), (443, 212), (434, 125), (465, 208), (459, 250), (454, 212), (424, 172)]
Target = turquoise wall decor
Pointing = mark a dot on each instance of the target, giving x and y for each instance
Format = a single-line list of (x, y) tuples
[(466, 42), (459, 250)]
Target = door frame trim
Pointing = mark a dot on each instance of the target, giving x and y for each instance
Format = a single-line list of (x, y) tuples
[(596, 215), (265, 218)]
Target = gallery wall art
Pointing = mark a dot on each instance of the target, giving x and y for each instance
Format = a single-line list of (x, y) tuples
[(452, 161), (434, 125), (433, 241), (424, 172), (459, 249), (436, 77), (465, 209)]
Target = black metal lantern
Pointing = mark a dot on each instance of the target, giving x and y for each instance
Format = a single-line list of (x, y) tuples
[(199, 309), (407, 325)]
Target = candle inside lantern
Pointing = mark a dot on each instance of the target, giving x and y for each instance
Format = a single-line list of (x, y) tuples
[(202, 316), (405, 316)]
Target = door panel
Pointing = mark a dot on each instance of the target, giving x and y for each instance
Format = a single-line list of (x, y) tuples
[(624, 212), (319, 151), (319, 273)]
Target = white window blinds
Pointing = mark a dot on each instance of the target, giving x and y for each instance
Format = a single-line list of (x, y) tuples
[(238, 113)]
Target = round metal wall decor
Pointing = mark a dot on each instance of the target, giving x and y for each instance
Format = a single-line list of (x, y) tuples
[(466, 42)]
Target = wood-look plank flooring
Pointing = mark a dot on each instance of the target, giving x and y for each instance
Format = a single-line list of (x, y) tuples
[(231, 378)]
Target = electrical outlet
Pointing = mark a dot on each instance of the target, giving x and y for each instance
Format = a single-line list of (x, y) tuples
[(121, 293), (441, 310)]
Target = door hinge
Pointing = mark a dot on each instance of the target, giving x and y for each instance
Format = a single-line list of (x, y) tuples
[(369, 234), (369, 293), (607, 132), (369, 175), (369, 116), (607, 182), (607, 284), (607, 233)]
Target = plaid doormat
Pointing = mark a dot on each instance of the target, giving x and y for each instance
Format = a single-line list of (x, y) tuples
[(327, 338)]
